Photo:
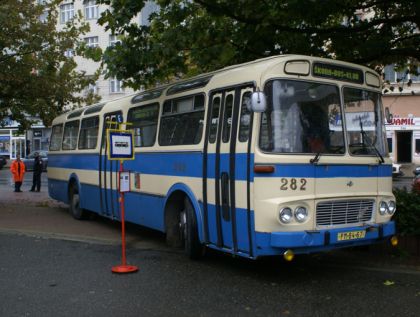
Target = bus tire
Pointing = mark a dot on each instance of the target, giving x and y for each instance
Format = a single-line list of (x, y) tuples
[(74, 205), (192, 246)]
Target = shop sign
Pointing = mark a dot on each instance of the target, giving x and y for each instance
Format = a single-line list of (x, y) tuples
[(402, 121)]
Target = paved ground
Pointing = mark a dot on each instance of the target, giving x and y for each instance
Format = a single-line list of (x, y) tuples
[(53, 265)]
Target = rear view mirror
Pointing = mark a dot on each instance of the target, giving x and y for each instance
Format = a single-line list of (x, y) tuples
[(258, 102)]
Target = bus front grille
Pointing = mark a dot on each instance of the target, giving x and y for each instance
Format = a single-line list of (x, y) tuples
[(341, 212)]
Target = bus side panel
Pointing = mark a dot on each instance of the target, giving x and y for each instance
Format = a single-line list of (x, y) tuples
[(89, 198), (157, 173), (212, 223), (57, 189), (145, 210), (242, 230)]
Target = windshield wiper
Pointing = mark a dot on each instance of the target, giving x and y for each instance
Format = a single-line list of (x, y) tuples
[(370, 144), (316, 158)]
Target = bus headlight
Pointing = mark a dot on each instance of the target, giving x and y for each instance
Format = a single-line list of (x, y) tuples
[(301, 214), (383, 208), (391, 207), (286, 215)]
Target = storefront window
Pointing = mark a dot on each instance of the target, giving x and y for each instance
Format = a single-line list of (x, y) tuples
[(4, 145)]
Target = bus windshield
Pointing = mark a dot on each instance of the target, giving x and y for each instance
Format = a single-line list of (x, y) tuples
[(302, 117), (363, 122)]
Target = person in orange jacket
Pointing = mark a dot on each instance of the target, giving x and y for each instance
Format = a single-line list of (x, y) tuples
[(18, 171)]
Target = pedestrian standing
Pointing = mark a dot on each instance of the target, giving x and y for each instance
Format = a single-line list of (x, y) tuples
[(38, 167), (18, 171)]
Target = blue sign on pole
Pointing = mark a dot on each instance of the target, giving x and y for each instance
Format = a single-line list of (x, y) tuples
[(120, 145)]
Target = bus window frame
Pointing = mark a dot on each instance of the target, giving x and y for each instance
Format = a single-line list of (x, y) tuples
[(164, 115), (132, 127), (61, 137), (307, 80), (78, 132)]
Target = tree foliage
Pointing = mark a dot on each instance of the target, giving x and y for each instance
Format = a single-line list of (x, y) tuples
[(187, 37), (36, 77)]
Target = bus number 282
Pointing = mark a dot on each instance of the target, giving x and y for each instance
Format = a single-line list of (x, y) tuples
[(293, 184)]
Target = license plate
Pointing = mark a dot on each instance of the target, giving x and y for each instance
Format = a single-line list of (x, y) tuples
[(351, 235)]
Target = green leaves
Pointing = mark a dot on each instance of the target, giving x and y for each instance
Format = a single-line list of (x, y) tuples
[(407, 216), (37, 79), (188, 37)]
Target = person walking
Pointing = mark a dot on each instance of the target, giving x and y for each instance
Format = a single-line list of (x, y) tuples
[(36, 179), (18, 171)]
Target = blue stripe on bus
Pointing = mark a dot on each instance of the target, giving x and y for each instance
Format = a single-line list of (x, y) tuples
[(148, 210), (276, 243), (328, 171), (190, 164)]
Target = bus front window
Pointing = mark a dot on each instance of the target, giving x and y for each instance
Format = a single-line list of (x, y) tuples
[(365, 132), (302, 117)]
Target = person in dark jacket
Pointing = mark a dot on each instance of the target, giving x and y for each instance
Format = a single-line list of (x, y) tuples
[(38, 167)]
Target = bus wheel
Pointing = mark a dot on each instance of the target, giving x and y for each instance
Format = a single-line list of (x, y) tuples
[(74, 206), (188, 229)]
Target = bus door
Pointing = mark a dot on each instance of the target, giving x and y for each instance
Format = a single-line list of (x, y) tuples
[(108, 193), (222, 169)]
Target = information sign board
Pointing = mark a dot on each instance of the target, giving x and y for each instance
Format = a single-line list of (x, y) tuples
[(120, 145)]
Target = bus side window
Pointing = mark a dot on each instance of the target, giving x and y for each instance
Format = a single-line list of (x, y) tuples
[(89, 133), (144, 123), (245, 118), (56, 137), (182, 121), (71, 133), (214, 119)]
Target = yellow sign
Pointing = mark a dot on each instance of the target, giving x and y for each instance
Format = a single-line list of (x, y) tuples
[(351, 235)]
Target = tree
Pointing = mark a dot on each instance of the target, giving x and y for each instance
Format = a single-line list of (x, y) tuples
[(36, 77), (187, 37)]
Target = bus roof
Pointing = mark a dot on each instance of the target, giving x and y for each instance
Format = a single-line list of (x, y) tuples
[(256, 71)]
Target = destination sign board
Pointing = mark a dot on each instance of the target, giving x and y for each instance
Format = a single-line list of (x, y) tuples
[(338, 72)]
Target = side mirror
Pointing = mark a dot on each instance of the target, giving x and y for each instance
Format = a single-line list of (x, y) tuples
[(258, 102), (388, 115)]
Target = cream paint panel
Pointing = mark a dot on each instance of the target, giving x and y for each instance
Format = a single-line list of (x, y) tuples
[(63, 174), (160, 184), (269, 199), (333, 187), (240, 188), (385, 186), (154, 184)]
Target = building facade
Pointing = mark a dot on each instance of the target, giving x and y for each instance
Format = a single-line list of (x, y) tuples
[(38, 136), (111, 88), (403, 102)]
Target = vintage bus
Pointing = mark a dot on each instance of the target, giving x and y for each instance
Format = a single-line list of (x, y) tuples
[(279, 156)]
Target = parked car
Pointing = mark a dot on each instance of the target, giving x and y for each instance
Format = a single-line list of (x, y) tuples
[(3, 162), (29, 160), (396, 170)]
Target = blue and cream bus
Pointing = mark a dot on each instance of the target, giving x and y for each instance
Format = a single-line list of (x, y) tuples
[(282, 155)]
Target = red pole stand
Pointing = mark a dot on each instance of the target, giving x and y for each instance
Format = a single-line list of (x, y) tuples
[(123, 268)]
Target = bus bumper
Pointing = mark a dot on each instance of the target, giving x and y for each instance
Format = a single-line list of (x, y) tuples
[(312, 241)]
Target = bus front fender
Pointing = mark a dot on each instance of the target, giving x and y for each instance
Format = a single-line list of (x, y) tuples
[(193, 199)]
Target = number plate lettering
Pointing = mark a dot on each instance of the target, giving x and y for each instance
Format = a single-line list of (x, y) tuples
[(351, 235)]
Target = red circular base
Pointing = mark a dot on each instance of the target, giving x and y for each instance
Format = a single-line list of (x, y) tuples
[(125, 269)]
